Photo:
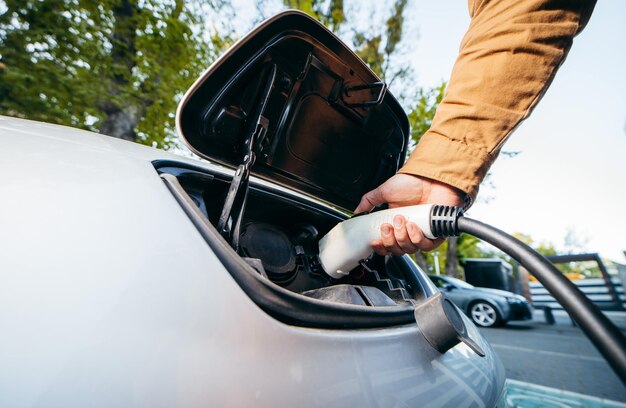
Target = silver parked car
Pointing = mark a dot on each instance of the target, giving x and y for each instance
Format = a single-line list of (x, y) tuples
[(485, 306), (134, 277)]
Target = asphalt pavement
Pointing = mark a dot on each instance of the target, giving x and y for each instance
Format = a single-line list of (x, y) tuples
[(558, 356)]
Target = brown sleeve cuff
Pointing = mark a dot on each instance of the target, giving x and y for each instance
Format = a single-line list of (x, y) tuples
[(449, 161)]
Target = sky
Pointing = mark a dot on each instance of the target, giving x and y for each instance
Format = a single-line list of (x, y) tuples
[(570, 174)]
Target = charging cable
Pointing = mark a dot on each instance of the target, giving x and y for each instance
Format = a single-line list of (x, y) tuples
[(350, 241)]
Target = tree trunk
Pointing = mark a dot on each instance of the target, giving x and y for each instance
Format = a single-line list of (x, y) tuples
[(420, 259), (122, 114), (121, 122), (452, 262)]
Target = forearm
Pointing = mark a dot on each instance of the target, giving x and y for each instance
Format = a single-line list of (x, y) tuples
[(507, 60)]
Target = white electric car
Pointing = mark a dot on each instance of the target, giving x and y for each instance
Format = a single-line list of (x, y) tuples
[(134, 277)]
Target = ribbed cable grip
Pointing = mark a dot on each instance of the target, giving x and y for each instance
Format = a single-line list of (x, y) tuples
[(443, 220)]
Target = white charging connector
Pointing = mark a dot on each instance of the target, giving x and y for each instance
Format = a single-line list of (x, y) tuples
[(350, 241)]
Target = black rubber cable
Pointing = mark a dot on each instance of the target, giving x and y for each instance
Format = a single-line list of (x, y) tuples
[(607, 338)]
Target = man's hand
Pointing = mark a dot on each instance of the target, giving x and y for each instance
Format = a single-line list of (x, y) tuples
[(399, 191)]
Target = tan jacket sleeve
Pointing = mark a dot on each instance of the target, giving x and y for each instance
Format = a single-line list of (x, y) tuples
[(507, 60)]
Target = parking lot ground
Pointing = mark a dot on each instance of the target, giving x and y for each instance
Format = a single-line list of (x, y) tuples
[(558, 356)]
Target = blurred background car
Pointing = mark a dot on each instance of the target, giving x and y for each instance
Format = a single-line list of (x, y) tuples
[(486, 307)]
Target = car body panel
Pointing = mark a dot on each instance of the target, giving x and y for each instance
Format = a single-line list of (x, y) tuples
[(110, 297)]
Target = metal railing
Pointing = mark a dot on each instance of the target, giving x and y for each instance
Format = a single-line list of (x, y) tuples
[(596, 289)]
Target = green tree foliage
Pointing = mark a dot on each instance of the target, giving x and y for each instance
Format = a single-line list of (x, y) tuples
[(377, 47), (573, 244), (469, 247), (330, 13), (117, 66), (422, 111), (120, 66)]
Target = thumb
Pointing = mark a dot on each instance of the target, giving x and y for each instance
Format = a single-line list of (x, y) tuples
[(370, 200)]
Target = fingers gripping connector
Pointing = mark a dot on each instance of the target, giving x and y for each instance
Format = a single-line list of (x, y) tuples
[(444, 220)]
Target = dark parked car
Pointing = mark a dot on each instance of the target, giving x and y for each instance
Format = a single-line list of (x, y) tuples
[(486, 307)]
